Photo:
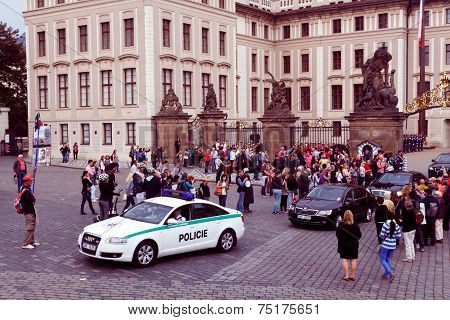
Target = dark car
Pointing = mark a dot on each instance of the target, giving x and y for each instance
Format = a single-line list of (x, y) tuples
[(438, 165), (325, 205), (394, 182)]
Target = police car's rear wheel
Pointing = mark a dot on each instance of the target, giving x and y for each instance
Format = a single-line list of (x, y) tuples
[(145, 254), (227, 241)]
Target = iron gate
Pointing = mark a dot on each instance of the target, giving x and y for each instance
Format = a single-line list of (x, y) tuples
[(240, 132), (318, 132)]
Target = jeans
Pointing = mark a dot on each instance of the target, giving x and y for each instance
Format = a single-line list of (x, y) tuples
[(93, 192), (240, 204), (277, 201), (130, 201), (206, 166), (289, 199), (283, 203), (104, 209), (409, 244), (430, 231), (86, 197), (385, 260), (75, 155), (213, 165), (419, 236), (20, 177), (223, 200), (264, 186)]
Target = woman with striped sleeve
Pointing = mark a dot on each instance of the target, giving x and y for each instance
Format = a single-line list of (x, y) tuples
[(390, 234)]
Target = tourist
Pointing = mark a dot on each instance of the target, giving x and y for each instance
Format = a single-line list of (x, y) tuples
[(441, 212), (390, 233), (348, 234), (380, 217), (277, 186), (86, 192), (115, 159), (28, 209), (248, 191), (129, 191), (204, 188), (106, 197), (132, 154), (75, 151), (409, 230), (224, 186), (240, 190), (19, 171), (431, 208)]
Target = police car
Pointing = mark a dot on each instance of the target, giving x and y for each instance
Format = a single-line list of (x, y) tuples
[(162, 226)]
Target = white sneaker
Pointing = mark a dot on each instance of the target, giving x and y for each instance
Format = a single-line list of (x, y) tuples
[(36, 244), (28, 246)]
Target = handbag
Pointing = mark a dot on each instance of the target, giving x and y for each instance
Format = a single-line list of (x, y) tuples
[(218, 191)]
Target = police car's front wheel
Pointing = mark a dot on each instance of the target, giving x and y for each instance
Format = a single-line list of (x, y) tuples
[(145, 254), (227, 241)]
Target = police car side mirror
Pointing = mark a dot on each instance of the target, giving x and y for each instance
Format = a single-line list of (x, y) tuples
[(433, 160)]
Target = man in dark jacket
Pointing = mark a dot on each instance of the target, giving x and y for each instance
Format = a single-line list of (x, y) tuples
[(303, 184), (430, 228), (152, 185), (27, 201), (19, 171)]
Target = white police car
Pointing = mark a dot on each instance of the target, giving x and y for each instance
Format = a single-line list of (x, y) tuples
[(151, 229)]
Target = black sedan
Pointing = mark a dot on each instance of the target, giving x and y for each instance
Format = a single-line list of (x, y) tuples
[(394, 182), (325, 205), (441, 163)]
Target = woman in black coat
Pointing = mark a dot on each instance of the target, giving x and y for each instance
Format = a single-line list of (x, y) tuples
[(248, 192), (348, 235)]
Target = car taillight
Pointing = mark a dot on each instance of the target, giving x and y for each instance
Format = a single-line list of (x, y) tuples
[(242, 217)]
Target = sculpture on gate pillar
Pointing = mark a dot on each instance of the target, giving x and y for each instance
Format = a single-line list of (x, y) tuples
[(210, 104), (279, 97), (378, 88), (170, 103)]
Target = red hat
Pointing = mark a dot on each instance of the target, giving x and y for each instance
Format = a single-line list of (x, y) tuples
[(27, 178)]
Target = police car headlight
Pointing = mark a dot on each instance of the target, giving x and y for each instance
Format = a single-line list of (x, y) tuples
[(115, 240), (324, 212)]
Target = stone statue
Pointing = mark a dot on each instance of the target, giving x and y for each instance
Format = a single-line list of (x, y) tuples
[(378, 88), (279, 97), (210, 104), (170, 103)]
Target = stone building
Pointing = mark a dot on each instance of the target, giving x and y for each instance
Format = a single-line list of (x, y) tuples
[(97, 69)]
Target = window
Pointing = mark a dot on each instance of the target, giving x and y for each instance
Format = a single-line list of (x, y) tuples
[(448, 16), (106, 36), (382, 21), (254, 99), (205, 85), (107, 88), (254, 62), (286, 64), (131, 134), (64, 133), (266, 32), (336, 60), (41, 43), (107, 133), (85, 134), (40, 3), (426, 53), (305, 29), (305, 129), (204, 211), (266, 98), (305, 62), (337, 26), (222, 91), (359, 58), (305, 98), (357, 93), (166, 33), (61, 41), (266, 64), (336, 97), (83, 38), (205, 32), (129, 32), (289, 97), (187, 88), (130, 86), (205, 1), (427, 18), (286, 32), (167, 81), (447, 53), (337, 129), (61, 1), (85, 89), (186, 37), (63, 88), (43, 92), (222, 43), (254, 29), (222, 4), (359, 23)]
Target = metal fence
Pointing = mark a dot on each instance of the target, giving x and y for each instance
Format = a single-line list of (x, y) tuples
[(239, 132), (313, 136)]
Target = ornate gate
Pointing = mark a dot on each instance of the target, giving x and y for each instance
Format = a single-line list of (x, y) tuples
[(318, 132), (240, 133)]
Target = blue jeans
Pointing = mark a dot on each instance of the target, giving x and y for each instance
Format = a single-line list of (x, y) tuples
[(213, 165), (289, 199), (240, 204), (277, 201), (385, 260), (223, 201), (20, 177)]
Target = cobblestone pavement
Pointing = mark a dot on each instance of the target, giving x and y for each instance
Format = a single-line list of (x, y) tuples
[(274, 260)]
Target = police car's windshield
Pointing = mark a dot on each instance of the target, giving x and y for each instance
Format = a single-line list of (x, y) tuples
[(148, 212)]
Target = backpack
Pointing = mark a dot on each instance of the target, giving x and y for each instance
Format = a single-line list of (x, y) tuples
[(17, 203)]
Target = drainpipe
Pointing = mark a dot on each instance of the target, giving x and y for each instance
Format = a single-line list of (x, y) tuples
[(408, 13)]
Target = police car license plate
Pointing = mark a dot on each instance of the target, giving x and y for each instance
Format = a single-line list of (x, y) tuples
[(304, 217), (89, 246)]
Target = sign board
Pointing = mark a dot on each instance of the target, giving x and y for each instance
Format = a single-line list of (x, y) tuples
[(44, 137)]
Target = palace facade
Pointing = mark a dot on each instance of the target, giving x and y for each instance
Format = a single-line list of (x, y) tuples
[(98, 70)]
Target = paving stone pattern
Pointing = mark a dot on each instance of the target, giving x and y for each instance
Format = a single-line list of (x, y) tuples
[(274, 260)]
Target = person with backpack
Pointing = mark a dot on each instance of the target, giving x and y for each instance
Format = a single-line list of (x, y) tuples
[(26, 202), (409, 230), (106, 196), (391, 234), (431, 208)]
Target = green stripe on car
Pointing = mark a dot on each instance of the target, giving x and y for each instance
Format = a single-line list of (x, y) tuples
[(188, 223)]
